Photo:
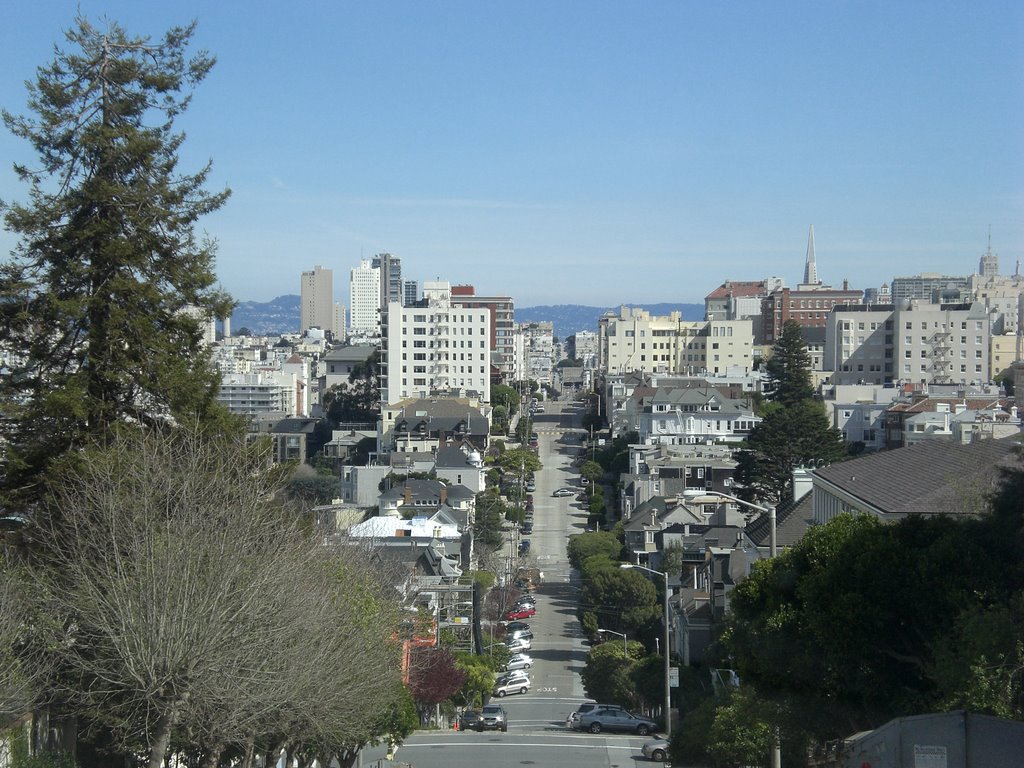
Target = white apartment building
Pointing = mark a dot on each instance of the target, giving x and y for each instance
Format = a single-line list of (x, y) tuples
[(1001, 297), (633, 340), (434, 347), (316, 303), (583, 347), (364, 300), (538, 350), (919, 342), (249, 394)]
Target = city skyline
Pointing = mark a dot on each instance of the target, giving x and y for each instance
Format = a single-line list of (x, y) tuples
[(625, 155)]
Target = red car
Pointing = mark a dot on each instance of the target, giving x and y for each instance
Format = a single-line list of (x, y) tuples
[(521, 613)]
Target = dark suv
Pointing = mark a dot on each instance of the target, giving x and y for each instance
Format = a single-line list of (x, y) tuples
[(493, 718)]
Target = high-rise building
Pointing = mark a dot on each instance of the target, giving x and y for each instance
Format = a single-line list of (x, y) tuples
[(410, 293), (503, 326), (391, 287), (988, 265), (316, 301), (435, 347), (810, 263), (364, 299), (931, 286)]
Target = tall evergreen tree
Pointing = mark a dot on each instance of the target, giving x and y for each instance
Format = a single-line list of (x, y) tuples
[(794, 429), (104, 296), (789, 367), (787, 438)]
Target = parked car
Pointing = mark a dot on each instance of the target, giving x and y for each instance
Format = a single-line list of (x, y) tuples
[(518, 685), (521, 613), (493, 718), (564, 492), (527, 527), (520, 634), (531, 486), (524, 547), (519, 661), (512, 626), (616, 720), (518, 646), (471, 719), (655, 749), (526, 600), (573, 720)]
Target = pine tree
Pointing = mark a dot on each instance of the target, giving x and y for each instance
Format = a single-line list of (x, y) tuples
[(794, 430), (103, 298), (789, 367), (787, 438)]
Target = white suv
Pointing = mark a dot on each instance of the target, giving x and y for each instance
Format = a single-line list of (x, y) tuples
[(515, 685)]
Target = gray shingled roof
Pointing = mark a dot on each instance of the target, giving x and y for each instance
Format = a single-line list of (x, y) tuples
[(791, 523), (932, 477)]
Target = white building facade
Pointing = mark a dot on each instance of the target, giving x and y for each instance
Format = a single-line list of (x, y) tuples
[(364, 300), (434, 347), (634, 340), (921, 343)]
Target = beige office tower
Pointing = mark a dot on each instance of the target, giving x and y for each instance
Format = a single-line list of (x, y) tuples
[(316, 302)]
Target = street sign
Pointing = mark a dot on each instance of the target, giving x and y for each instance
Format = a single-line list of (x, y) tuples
[(673, 677)]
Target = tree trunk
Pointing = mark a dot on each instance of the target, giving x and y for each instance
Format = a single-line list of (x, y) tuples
[(212, 757), (162, 737), (250, 753)]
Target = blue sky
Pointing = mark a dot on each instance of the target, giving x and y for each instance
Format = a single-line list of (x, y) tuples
[(592, 153)]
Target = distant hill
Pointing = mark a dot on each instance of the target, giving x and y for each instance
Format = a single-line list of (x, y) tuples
[(267, 318), (281, 315)]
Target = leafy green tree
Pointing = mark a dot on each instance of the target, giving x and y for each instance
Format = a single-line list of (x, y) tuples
[(519, 462), (861, 622), (739, 734), (648, 676), (506, 396), (582, 546), (479, 681), (786, 438), (359, 400), (489, 520), (591, 471), (789, 367), (606, 676), (623, 600), (107, 290)]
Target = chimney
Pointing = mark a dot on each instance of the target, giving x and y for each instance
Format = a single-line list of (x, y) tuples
[(444, 494), (407, 499)]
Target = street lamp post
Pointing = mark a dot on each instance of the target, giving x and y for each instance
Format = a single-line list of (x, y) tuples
[(667, 650), (625, 650)]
